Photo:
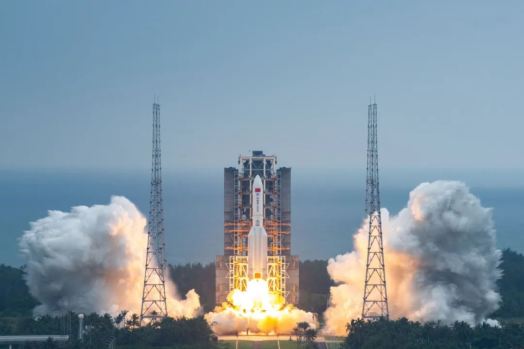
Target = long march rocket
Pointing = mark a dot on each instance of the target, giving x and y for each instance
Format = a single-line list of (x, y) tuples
[(257, 237)]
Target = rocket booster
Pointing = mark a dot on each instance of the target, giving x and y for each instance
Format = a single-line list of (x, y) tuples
[(257, 237)]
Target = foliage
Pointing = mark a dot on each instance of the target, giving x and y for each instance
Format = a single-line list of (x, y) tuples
[(511, 285), (16, 305), (305, 335), (313, 302), (314, 284), (14, 294), (29, 325), (314, 277), (102, 330), (384, 334), (196, 276), (99, 331), (167, 332)]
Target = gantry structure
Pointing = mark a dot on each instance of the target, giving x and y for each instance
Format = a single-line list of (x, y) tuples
[(375, 302), (154, 305), (231, 268)]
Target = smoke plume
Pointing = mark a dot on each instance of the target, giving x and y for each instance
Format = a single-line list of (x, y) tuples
[(92, 259), (227, 321), (441, 261), (256, 310)]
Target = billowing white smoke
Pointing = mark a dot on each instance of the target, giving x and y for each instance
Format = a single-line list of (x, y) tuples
[(257, 310), (92, 260), (441, 261), (228, 321)]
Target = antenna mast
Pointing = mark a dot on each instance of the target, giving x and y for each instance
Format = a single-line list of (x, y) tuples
[(375, 303), (154, 295)]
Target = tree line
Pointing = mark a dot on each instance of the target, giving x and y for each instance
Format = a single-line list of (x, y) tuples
[(123, 331), (16, 306), (15, 299), (405, 334)]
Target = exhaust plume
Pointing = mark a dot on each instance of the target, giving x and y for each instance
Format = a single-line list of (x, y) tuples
[(256, 310), (441, 261), (92, 259)]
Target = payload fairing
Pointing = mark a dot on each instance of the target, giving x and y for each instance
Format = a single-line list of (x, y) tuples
[(257, 237)]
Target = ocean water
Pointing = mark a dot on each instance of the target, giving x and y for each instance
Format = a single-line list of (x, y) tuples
[(325, 213)]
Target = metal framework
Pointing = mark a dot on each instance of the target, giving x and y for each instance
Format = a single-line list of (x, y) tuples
[(375, 302), (265, 166), (154, 304)]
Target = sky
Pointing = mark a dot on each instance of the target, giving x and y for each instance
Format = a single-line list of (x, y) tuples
[(294, 78)]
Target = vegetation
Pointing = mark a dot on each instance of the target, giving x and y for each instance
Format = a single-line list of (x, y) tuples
[(122, 331), (511, 286), (29, 325), (14, 295), (199, 277), (405, 334), (193, 333), (16, 306), (305, 335), (314, 284)]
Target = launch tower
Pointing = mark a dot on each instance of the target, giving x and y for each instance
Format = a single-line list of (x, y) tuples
[(375, 303), (232, 267), (154, 294)]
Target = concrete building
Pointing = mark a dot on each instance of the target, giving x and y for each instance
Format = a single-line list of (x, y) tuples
[(231, 267)]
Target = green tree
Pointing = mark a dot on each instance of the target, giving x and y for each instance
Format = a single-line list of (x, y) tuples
[(120, 318), (305, 334), (199, 277), (133, 322), (511, 285), (385, 334), (14, 295)]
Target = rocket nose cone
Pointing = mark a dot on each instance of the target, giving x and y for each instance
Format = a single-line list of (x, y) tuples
[(257, 182)]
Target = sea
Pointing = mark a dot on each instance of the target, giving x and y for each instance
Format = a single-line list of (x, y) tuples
[(327, 207)]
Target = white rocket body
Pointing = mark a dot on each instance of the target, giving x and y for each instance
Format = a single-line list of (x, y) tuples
[(257, 237)]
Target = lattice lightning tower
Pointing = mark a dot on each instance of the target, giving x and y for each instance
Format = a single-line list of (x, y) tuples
[(154, 295), (375, 304)]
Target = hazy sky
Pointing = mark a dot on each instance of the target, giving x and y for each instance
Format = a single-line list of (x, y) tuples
[(291, 77)]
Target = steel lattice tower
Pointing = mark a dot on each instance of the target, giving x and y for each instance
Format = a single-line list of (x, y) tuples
[(375, 304), (154, 295)]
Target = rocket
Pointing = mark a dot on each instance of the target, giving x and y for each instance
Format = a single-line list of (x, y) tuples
[(257, 237)]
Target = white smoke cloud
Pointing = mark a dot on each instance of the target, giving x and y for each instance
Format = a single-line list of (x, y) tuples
[(92, 259), (441, 261), (257, 310), (226, 320)]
